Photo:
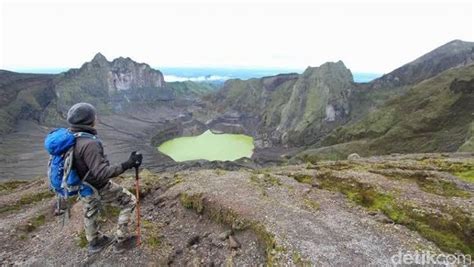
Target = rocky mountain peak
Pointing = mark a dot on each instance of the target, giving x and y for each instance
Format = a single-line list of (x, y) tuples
[(123, 60), (100, 59), (329, 71), (458, 42), (318, 98), (107, 84)]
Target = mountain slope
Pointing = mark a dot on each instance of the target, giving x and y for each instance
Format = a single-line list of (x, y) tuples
[(111, 86), (328, 213), (434, 115), (288, 104), (456, 53), (367, 97), (301, 110), (23, 96)]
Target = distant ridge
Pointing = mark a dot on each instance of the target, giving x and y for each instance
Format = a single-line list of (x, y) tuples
[(450, 55)]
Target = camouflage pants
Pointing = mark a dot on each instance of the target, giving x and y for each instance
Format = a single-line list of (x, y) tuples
[(114, 195)]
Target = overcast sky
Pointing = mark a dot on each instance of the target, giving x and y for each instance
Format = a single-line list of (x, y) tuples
[(367, 36)]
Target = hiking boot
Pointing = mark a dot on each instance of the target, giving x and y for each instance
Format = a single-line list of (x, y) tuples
[(128, 243), (98, 244)]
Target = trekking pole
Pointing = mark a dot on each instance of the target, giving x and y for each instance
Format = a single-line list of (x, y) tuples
[(137, 189)]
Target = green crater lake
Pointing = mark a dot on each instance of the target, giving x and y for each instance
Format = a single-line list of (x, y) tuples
[(208, 146)]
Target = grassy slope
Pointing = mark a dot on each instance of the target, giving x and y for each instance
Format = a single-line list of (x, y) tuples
[(469, 144), (191, 89), (429, 117), (23, 96), (86, 86), (241, 95)]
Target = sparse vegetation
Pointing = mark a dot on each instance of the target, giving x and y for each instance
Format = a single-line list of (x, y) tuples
[(27, 200), (303, 178), (427, 182), (467, 176), (311, 204), (152, 235), (193, 201), (190, 89), (32, 224), (450, 230), (176, 180), (9, 186), (462, 169), (81, 239), (265, 180)]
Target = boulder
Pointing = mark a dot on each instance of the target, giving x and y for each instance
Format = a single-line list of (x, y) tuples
[(353, 156)]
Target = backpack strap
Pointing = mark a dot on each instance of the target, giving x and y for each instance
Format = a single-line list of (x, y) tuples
[(68, 159), (84, 134)]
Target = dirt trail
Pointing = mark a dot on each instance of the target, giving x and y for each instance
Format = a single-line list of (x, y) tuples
[(330, 213)]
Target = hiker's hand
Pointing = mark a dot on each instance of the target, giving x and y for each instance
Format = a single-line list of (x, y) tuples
[(134, 161)]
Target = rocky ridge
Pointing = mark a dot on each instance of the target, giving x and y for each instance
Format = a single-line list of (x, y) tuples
[(308, 110)]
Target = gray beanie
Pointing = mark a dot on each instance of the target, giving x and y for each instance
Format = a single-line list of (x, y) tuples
[(81, 114)]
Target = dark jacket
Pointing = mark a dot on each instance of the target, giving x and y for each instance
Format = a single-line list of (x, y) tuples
[(89, 155)]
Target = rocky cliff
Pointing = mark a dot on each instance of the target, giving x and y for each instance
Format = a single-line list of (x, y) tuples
[(111, 85), (288, 105), (433, 115), (304, 110), (319, 99)]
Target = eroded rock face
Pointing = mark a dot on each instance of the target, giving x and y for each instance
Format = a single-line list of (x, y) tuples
[(315, 95), (112, 85), (124, 74), (288, 105)]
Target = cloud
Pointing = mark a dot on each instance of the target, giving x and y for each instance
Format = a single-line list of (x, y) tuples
[(368, 35), (174, 78)]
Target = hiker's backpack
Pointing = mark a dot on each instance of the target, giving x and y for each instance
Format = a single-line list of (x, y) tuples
[(63, 178)]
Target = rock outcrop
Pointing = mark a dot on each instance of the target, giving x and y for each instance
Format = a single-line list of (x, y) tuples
[(112, 85), (319, 99)]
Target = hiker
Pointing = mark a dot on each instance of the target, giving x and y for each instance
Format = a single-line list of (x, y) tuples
[(92, 166)]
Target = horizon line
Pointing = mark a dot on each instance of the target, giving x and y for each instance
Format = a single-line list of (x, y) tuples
[(57, 70)]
